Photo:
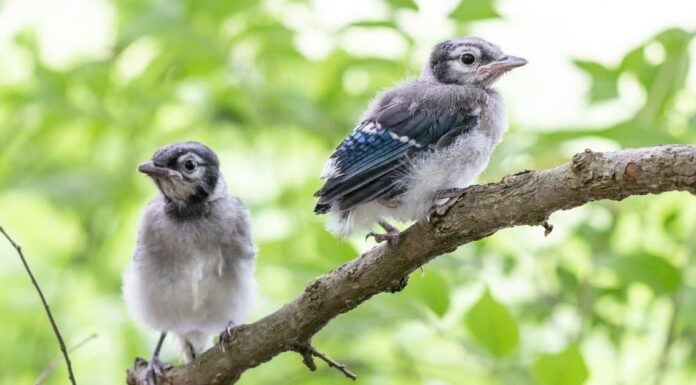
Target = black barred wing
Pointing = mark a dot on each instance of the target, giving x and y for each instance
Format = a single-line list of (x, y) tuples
[(368, 163)]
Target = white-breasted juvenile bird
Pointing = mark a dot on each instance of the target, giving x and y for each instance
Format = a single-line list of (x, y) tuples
[(193, 269), (420, 143)]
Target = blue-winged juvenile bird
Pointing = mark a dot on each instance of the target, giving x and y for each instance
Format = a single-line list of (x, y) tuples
[(193, 270), (420, 143)]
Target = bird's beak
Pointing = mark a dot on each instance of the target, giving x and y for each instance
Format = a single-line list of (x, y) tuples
[(503, 65), (150, 169)]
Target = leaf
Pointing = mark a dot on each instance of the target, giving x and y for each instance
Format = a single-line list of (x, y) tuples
[(372, 24), (654, 271), (604, 80), (569, 281), (470, 10), (565, 368), (493, 326), (432, 289), (403, 4)]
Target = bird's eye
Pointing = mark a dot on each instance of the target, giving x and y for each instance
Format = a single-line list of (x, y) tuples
[(190, 165), (468, 58)]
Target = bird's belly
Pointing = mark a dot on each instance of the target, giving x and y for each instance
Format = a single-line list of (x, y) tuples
[(191, 284), (455, 167), (191, 293)]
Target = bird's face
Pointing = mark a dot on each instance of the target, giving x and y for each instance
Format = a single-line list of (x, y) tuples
[(186, 172), (471, 61)]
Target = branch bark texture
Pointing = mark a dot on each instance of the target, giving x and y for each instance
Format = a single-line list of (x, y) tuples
[(526, 198)]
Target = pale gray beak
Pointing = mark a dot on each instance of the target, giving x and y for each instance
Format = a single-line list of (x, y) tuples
[(503, 65), (150, 169)]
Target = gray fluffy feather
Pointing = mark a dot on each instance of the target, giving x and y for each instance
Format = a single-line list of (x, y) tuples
[(192, 275)]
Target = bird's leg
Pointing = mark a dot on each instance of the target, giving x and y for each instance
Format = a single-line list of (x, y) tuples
[(454, 192), (391, 235), (226, 335), (452, 195), (189, 345), (155, 366)]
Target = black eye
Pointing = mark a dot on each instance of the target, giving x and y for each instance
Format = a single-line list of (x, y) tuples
[(190, 165), (468, 58)]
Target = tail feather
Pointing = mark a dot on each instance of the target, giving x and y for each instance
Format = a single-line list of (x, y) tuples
[(322, 208)]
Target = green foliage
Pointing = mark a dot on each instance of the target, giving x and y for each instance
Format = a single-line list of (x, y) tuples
[(471, 10), (616, 279), (432, 289), (403, 4), (651, 270), (604, 80), (564, 368), (492, 325)]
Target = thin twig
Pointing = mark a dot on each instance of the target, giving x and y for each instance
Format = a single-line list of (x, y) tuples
[(45, 305), (52, 365), (308, 351)]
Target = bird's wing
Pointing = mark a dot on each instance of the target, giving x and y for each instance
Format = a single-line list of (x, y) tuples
[(366, 165), (238, 229)]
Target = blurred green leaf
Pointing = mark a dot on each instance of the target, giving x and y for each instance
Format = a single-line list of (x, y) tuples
[(604, 80), (656, 272), (565, 368), (372, 24), (431, 288), (568, 279), (471, 10), (492, 325), (403, 4)]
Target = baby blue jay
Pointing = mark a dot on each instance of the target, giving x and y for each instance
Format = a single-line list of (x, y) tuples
[(193, 270), (420, 143)]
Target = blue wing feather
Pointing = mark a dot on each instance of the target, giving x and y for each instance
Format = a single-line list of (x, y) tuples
[(371, 159)]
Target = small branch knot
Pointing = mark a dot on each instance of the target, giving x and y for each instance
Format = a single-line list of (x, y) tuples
[(308, 352), (398, 286), (632, 170), (548, 228), (305, 350), (580, 165)]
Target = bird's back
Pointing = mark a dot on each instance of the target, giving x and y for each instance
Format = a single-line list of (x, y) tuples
[(402, 124)]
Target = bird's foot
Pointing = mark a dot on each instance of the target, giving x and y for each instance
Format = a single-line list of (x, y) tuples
[(440, 210), (226, 335), (392, 238), (155, 369), (452, 195), (391, 235)]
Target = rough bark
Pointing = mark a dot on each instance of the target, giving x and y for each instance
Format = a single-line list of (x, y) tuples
[(526, 198)]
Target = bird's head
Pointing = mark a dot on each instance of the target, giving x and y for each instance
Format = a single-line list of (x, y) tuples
[(469, 61), (186, 173)]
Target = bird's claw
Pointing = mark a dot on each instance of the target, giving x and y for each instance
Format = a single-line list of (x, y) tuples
[(441, 210), (226, 335), (155, 369), (391, 238)]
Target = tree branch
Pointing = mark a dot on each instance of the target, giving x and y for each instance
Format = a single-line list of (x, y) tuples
[(63, 350), (527, 198)]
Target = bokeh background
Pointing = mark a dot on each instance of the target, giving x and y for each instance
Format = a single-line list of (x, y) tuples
[(90, 88)]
